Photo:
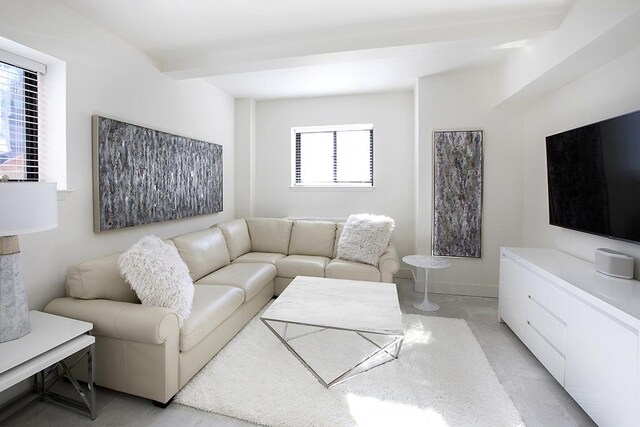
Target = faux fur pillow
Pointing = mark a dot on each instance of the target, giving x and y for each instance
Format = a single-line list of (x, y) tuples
[(158, 275), (365, 238)]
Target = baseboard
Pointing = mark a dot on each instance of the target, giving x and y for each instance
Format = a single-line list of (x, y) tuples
[(404, 273), (14, 391), (466, 289)]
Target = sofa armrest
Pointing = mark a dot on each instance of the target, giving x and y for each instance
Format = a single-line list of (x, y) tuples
[(389, 263), (122, 320)]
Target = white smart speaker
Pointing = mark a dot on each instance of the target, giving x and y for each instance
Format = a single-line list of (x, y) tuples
[(614, 263)]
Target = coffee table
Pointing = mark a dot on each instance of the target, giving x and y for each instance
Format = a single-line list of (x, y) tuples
[(337, 328)]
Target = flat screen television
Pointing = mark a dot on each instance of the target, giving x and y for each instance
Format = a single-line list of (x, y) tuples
[(593, 176)]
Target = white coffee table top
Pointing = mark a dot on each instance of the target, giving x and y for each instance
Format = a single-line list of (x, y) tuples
[(427, 261), (47, 331), (339, 304)]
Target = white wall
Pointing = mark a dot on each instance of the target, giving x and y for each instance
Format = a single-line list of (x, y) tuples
[(245, 140), (107, 76), (393, 195), (606, 92), (464, 101)]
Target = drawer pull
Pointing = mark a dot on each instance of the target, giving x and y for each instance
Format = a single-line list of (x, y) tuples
[(555, 316)]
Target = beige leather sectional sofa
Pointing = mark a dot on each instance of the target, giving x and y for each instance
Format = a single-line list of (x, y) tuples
[(237, 267)]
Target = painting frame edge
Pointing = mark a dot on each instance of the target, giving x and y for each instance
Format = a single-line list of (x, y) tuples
[(95, 133)]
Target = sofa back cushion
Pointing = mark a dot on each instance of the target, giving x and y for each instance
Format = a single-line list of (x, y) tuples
[(203, 251), (312, 238), (339, 228), (99, 279), (236, 234), (269, 234)]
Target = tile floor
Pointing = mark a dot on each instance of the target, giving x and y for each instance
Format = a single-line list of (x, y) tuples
[(539, 398)]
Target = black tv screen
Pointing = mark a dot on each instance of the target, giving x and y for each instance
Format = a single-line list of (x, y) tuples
[(593, 174)]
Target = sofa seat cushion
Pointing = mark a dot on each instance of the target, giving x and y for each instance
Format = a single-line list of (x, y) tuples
[(302, 265), (253, 257), (211, 306), (251, 278), (341, 269)]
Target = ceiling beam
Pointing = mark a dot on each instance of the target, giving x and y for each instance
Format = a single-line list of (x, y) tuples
[(575, 50), (365, 46)]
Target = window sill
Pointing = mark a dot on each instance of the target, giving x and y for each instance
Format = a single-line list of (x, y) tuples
[(329, 188)]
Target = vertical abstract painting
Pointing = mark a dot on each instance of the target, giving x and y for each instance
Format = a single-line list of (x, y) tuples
[(457, 195), (143, 176)]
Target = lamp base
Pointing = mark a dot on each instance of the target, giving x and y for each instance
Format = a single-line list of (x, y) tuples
[(14, 310)]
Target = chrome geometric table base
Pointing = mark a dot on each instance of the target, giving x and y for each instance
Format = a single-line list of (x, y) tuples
[(45, 381), (383, 347)]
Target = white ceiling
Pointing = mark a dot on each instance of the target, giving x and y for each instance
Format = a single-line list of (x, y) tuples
[(289, 48)]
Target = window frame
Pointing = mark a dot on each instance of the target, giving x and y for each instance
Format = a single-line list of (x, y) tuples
[(297, 131)]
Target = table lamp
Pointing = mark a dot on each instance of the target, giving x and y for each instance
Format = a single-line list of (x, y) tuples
[(25, 207)]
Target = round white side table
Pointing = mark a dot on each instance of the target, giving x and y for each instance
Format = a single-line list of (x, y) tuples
[(427, 263)]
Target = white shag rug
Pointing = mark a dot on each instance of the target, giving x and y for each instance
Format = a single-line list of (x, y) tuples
[(442, 378)]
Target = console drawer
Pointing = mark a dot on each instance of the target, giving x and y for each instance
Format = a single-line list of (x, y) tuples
[(549, 327), (549, 296), (547, 355)]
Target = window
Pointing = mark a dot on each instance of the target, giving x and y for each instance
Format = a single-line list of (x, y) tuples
[(18, 123), (333, 156)]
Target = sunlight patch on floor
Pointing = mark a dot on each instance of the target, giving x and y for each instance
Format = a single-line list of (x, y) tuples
[(417, 334), (371, 412)]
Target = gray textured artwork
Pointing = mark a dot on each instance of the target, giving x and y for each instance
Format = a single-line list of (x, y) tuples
[(457, 173), (142, 176)]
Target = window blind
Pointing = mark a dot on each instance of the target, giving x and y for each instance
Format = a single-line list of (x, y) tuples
[(298, 148), (19, 119), (334, 156)]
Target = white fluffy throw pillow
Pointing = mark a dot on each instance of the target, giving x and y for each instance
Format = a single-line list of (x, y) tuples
[(158, 275), (365, 238)]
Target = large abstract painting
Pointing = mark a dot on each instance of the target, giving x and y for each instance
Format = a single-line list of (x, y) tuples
[(142, 176), (457, 200)]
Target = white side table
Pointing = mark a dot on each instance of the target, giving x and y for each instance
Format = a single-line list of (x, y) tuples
[(51, 340), (427, 263)]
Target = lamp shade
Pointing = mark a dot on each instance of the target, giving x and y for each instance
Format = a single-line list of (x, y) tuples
[(27, 207)]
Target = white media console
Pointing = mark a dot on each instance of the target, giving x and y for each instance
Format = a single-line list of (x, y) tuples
[(581, 325)]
